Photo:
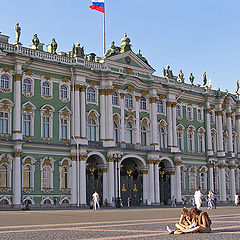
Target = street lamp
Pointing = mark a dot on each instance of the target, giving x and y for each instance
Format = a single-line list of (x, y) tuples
[(117, 157)]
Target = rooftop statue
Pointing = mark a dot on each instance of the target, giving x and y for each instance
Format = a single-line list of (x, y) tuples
[(204, 79), (125, 44), (139, 54), (54, 46), (237, 87), (181, 76), (112, 50), (78, 51), (17, 30), (191, 78), (35, 41), (167, 72)]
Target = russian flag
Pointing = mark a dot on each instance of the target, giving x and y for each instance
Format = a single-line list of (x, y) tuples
[(97, 5)]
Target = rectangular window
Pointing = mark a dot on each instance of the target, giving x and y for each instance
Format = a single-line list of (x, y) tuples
[(45, 127), (64, 128), (4, 121), (27, 125)]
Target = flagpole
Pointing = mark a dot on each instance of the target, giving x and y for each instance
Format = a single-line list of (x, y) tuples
[(104, 44)]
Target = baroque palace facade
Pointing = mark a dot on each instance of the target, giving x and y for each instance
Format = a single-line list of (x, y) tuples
[(72, 123)]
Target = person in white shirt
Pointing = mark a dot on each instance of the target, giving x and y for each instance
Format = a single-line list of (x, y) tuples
[(95, 198), (236, 199), (198, 198)]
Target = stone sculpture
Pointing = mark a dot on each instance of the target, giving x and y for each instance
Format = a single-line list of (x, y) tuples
[(191, 78), (35, 41), (54, 46), (17, 30)]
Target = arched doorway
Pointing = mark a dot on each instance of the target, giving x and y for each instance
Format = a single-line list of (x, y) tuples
[(131, 182), (94, 177), (165, 182)]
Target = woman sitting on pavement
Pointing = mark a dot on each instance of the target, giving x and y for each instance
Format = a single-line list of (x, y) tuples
[(202, 219), (186, 224)]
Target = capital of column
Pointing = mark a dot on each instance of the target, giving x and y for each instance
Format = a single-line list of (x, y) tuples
[(17, 153), (174, 104), (218, 113), (110, 159), (17, 77), (144, 171), (122, 95), (232, 166), (108, 92), (104, 170), (171, 173), (237, 117), (153, 99), (208, 110), (177, 163), (150, 161), (137, 98), (77, 87), (229, 114), (221, 166), (83, 157), (169, 104), (210, 165), (83, 89), (156, 162), (102, 91), (73, 157)]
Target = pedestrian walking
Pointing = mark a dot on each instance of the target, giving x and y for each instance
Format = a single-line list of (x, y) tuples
[(96, 199), (193, 201), (173, 201), (198, 198), (236, 199), (55, 202), (129, 200), (210, 199), (113, 202)]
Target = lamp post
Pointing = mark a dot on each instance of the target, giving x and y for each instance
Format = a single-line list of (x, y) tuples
[(117, 157)]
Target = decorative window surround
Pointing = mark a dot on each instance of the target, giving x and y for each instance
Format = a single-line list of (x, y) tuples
[(47, 112), (6, 164), (115, 99), (179, 113), (6, 81), (162, 134), (65, 172), (161, 107), (212, 117), (180, 137), (29, 162), (29, 109), (183, 178), (203, 178), (28, 86), (201, 140), (95, 116), (192, 179), (47, 168), (64, 124), (5, 117), (46, 89), (92, 95), (189, 113), (200, 115), (190, 139), (64, 92)]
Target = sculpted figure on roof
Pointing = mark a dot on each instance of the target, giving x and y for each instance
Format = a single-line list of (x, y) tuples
[(191, 78), (204, 79), (35, 41), (167, 72), (54, 46), (17, 30), (237, 87), (78, 51), (181, 76), (112, 50)]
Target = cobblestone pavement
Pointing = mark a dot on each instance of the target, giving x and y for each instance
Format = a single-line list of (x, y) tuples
[(111, 224)]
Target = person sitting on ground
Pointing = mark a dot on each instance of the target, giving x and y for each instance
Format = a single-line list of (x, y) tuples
[(202, 219), (186, 224)]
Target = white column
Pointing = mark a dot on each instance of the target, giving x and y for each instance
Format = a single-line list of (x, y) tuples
[(137, 121), (174, 130), (229, 127), (102, 115), (17, 132), (74, 180), (169, 119), (122, 118), (153, 117), (173, 183), (105, 185), (77, 111), (238, 131), (82, 171), (222, 182), (209, 134), (220, 150), (178, 163), (110, 179), (157, 186), (232, 182), (17, 186), (151, 181), (145, 186), (83, 112), (211, 178)]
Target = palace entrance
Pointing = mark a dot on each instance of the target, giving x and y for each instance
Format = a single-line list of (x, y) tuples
[(131, 182), (165, 184), (94, 178)]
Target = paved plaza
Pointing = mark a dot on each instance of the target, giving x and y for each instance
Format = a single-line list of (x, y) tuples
[(147, 223)]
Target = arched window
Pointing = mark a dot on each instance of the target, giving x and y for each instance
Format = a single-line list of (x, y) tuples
[(5, 82), (114, 98), (227, 180), (180, 140), (178, 111), (3, 176), (27, 85), (4, 122), (64, 128), (91, 95), (92, 129), (115, 132), (189, 112), (45, 89), (192, 179), (64, 92), (26, 176), (143, 136), (143, 104), (190, 139), (160, 107), (46, 177), (183, 178), (64, 177), (129, 133), (199, 115), (203, 179), (201, 143), (213, 138), (161, 137), (45, 127), (211, 116), (128, 100)]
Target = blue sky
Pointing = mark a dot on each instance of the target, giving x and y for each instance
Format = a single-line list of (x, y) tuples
[(195, 36)]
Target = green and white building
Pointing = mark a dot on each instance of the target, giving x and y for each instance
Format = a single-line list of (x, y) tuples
[(72, 123)]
